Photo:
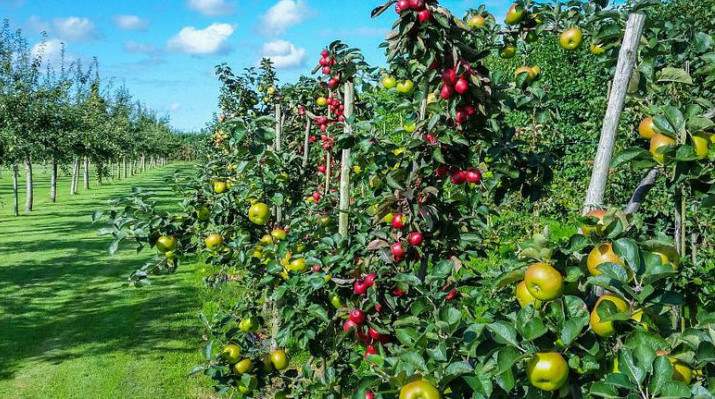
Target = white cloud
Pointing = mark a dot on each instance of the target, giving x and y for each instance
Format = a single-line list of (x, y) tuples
[(212, 8), (139, 48), (211, 40), (284, 54), (75, 29), (174, 107), (283, 15), (130, 22), (51, 52), (70, 29)]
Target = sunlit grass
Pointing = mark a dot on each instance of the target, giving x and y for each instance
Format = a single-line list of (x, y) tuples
[(70, 326)]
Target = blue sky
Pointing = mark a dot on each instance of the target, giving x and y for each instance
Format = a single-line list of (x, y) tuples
[(165, 51)]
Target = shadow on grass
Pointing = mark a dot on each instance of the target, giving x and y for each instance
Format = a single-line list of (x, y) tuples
[(63, 297)]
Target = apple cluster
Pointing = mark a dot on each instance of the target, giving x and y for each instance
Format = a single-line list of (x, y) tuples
[(423, 13)]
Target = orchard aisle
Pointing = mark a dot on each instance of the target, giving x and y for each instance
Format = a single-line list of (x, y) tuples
[(70, 327)]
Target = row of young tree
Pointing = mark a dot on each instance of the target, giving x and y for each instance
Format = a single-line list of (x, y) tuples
[(63, 114), (356, 226)]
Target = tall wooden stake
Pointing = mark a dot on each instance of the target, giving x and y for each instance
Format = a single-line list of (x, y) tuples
[(345, 163), (617, 97), (306, 144), (279, 134)]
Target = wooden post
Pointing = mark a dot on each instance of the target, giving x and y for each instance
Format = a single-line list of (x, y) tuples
[(344, 205), (643, 188), (306, 144), (277, 144), (279, 126), (680, 200), (624, 71), (328, 157)]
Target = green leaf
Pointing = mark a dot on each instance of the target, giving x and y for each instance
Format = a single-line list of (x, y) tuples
[(627, 250), (529, 324), (450, 316), (674, 390), (503, 333), (577, 318), (677, 75), (702, 42), (629, 155), (675, 118), (662, 373), (415, 360), (480, 382), (506, 358), (319, 312), (604, 390), (438, 353)]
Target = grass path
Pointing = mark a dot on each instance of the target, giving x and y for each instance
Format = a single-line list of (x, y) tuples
[(70, 326)]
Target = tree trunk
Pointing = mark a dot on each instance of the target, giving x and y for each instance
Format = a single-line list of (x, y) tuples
[(143, 164), (86, 173), (100, 172), (15, 203), (344, 205), (75, 176), (28, 185), (624, 70), (53, 180), (124, 166)]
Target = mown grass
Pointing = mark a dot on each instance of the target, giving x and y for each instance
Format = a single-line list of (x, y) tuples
[(70, 326)]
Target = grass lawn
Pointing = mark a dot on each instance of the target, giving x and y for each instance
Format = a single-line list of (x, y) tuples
[(70, 326)]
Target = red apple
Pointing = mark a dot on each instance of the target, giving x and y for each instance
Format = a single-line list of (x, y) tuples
[(446, 91), (461, 116), (397, 250), (449, 76), (452, 294), (473, 175), (442, 171), (360, 288), (325, 53), (369, 395), (469, 109), (326, 70), (398, 221), (457, 177), (316, 268), (431, 139), (370, 350), (416, 238), (321, 169), (417, 4), (357, 316), (349, 325), (403, 5), (316, 197), (461, 86), (424, 15), (370, 279)]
